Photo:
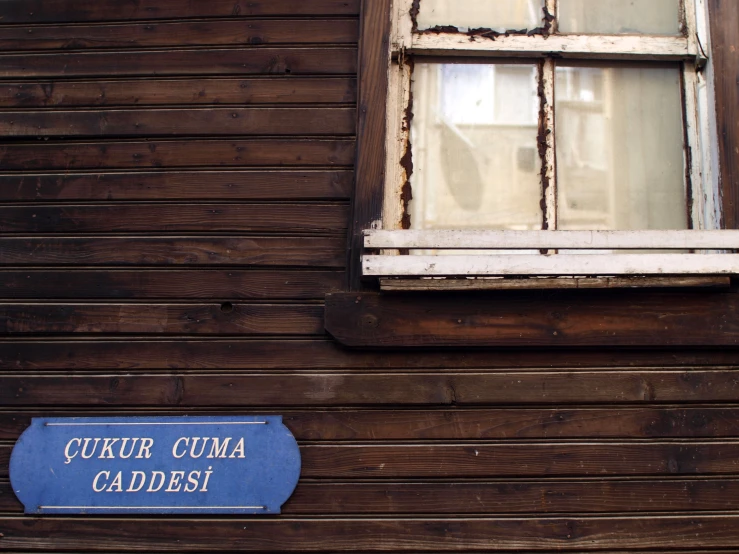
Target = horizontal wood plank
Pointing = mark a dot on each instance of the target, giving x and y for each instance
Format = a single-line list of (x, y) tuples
[(174, 251), (157, 63), (179, 185), (411, 461), (265, 390), (323, 354), (162, 319), (178, 218), (192, 91), (231, 284), (173, 122), (368, 535), (568, 318), (39, 11), (560, 264), (180, 33), (484, 497), (176, 153), (649, 422), (544, 240)]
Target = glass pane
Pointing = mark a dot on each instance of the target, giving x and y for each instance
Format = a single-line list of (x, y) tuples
[(613, 17), (473, 134), (619, 135), (500, 15)]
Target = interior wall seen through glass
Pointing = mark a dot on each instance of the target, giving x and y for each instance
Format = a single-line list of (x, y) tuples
[(500, 15), (611, 17)]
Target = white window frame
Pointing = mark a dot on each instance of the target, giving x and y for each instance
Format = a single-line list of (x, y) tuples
[(387, 240)]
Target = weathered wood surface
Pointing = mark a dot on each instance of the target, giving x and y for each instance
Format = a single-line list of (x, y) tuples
[(373, 535), (480, 460), (686, 366), (296, 389), (174, 251), (179, 185), (57, 11), (577, 318), (179, 121), (587, 496), (244, 32), (157, 63), (514, 424), (234, 152), (162, 319), (725, 59), (190, 91), (176, 284), (174, 217), (374, 56)]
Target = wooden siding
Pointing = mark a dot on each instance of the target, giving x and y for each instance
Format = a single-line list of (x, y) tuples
[(175, 185)]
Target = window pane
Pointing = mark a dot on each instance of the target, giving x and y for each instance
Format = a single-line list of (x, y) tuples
[(500, 15), (619, 135), (473, 135), (612, 17)]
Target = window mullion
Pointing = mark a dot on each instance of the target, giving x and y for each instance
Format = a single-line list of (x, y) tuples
[(546, 141)]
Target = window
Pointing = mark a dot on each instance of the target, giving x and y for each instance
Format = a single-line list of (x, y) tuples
[(509, 118)]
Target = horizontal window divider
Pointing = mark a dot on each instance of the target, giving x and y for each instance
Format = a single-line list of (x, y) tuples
[(542, 240), (556, 265), (561, 46)]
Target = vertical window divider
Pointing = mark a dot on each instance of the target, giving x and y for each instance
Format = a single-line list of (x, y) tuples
[(546, 140)]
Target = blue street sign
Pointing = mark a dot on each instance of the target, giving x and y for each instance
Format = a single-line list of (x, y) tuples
[(155, 465)]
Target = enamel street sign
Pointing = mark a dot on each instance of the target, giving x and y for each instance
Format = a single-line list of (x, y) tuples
[(155, 465)]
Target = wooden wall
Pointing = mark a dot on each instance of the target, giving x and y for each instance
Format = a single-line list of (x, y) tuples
[(174, 205)]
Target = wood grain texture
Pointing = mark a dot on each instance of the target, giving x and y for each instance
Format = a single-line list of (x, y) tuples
[(178, 218), (176, 153), (244, 32), (684, 366), (175, 284), (368, 535), (374, 57), (57, 11), (723, 16), (511, 461), (174, 251), (189, 91), (179, 185), (312, 498), (201, 62), (173, 122), (162, 319), (514, 424), (286, 389), (579, 318)]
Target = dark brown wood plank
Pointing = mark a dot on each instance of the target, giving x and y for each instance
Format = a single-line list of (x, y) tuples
[(484, 497), (180, 33), (325, 354), (179, 185), (374, 57), (38, 11), (231, 284), (534, 318), (91, 218), (166, 154), (367, 535), (507, 460), (172, 122), (174, 251), (270, 390), (724, 54), (157, 63), (162, 319), (193, 91), (455, 424)]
